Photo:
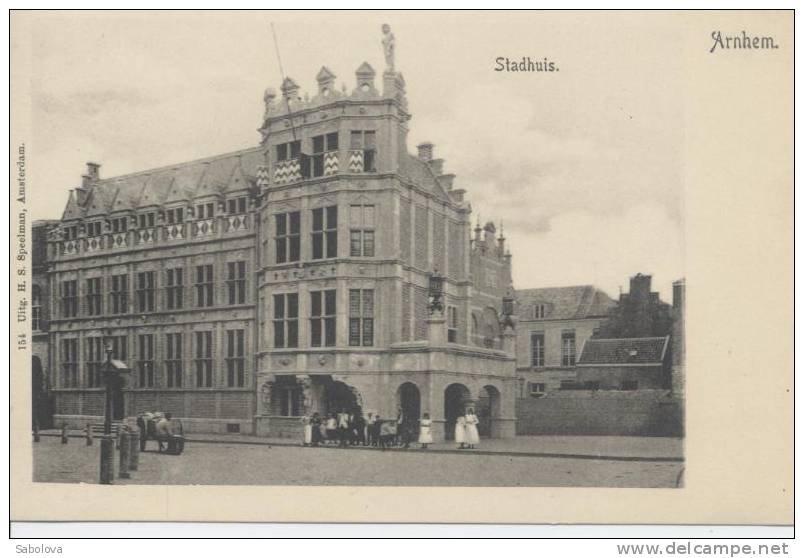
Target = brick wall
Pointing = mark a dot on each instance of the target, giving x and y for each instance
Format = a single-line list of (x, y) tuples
[(404, 230), (420, 313), (600, 414), (406, 294), (421, 237)]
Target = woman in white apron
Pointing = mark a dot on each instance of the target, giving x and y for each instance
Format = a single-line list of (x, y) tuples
[(472, 436), (308, 430), (460, 432), (425, 433)]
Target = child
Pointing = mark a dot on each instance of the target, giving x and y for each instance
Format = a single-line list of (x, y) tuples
[(425, 435), (460, 432)]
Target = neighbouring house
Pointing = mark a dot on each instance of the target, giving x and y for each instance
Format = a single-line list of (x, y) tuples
[(554, 324)]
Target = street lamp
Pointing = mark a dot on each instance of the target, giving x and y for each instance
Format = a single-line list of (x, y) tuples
[(436, 291), (112, 369)]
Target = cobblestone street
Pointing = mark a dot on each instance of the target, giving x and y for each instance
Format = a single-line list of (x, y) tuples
[(261, 464)]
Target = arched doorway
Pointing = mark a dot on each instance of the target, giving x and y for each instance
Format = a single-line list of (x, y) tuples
[(409, 399), (488, 409), (340, 397), (455, 397)]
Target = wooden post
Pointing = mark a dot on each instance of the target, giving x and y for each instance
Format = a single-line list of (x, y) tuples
[(64, 433)]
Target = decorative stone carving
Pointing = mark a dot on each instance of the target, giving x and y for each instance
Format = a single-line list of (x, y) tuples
[(388, 47)]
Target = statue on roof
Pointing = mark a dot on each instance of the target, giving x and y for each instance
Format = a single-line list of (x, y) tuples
[(388, 47)]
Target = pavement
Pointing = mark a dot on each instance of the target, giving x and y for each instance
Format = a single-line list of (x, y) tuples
[(617, 448), (236, 460)]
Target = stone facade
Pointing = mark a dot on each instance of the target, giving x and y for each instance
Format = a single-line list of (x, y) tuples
[(331, 231), (548, 318)]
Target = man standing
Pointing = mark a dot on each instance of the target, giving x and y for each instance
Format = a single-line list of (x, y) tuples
[(163, 431), (343, 428)]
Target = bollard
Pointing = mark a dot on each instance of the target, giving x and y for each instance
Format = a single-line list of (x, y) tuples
[(89, 434), (125, 448), (36, 432), (64, 433), (117, 439), (134, 452), (107, 459)]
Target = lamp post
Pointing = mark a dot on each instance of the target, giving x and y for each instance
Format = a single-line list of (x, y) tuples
[(436, 291), (107, 443)]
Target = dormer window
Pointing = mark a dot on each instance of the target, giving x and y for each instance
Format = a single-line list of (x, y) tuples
[(70, 233), (205, 210), (94, 229), (175, 216), (236, 205), (119, 225), (539, 311), (147, 220), (289, 150)]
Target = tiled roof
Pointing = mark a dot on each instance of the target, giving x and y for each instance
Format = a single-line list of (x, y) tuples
[(564, 303), (642, 350), (186, 181)]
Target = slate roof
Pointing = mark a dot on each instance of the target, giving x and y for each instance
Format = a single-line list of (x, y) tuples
[(607, 352), (565, 303), (216, 175), (419, 172)]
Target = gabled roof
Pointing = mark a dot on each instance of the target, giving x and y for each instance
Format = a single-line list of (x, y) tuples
[(565, 303), (419, 172), (182, 182), (635, 351)]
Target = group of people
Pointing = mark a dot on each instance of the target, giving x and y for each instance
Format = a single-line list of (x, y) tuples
[(161, 427), (350, 428)]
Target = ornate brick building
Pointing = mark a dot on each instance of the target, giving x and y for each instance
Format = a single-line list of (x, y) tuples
[(246, 289)]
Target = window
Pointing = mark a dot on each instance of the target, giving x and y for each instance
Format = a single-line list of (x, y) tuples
[(536, 390), (235, 358), (236, 205), (95, 356), (288, 237), (174, 279), (325, 232), (568, 348), (145, 291), (537, 349), (286, 320), (361, 317), (321, 145), (119, 294), (365, 141), (361, 230), (70, 233), (94, 229), (322, 318), (236, 282), (120, 347), (69, 363), (289, 398), (145, 360), (205, 210), (203, 359), (289, 150), (204, 293), (452, 324), (539, 311), (175, 216), (69, 299), (94, 296), (629, 385), (36, 308), (173, 360), (119, 224), (147, 220)]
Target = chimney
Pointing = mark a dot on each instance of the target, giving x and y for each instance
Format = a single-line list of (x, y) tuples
[(425, 151), (640, 287), (93, 171), (438, 166), (86, 180)]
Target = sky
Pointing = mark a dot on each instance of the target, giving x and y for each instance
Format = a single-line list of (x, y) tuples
[(583, 166)]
